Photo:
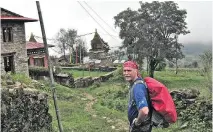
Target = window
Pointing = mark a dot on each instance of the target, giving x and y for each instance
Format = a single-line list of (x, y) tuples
[(9, 64), (7, 34), (39, 62)]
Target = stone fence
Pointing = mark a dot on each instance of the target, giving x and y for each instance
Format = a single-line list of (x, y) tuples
[(67, 80), (24, 109), (190, 106)]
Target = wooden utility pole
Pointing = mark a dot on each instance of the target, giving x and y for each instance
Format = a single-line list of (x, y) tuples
[(49, 65), (76, 54), (176, 37), (80, 53)]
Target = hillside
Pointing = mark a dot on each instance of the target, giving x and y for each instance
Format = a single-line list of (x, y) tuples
[(102, 107), (195, 49)]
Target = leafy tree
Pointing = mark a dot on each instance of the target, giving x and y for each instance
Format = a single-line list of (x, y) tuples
[(150, 32), (206, 59), (81, 50), (118, 54), (65, 40)]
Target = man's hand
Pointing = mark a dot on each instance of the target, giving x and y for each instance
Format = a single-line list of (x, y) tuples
[(135, 127), (136, 122)]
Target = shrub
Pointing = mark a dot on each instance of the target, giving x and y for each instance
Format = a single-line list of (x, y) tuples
[(38, 71), (22, 78), (118, 75), (197, 116)]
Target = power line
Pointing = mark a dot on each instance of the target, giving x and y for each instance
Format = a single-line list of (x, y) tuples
[(54, 39), (96, 21), (99, 16), (108, 34)]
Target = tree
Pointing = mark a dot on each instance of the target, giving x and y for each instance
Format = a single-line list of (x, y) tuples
[(80, 50), (65, 40), (206, 59), (150, 32)]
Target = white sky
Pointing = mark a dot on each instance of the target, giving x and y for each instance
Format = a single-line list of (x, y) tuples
[(69, 14)]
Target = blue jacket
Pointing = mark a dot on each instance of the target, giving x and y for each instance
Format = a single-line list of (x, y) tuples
[(138, 101)]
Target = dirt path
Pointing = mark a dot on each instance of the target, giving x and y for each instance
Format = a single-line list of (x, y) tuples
[(89, 105), (118, 124)]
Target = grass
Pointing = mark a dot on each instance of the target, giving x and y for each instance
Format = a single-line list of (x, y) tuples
[(103, 116), (77, 74)]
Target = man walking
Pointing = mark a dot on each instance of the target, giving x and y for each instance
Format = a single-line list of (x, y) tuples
[(139, 112)]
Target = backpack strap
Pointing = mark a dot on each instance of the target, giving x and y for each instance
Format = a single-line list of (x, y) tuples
[(147, 97), (132, 88)]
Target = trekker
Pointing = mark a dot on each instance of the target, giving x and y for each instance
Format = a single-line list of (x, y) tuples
[(139, 112)]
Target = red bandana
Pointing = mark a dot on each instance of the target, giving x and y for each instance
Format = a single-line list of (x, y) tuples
[(132, 64)]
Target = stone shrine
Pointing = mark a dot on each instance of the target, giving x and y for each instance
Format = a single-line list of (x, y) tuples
[(99, 51)]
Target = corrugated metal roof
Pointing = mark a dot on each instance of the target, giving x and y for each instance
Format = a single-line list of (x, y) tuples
[(17, 18), (36, 45)]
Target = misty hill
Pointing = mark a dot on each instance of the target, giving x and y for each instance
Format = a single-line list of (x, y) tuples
[(195, 49)]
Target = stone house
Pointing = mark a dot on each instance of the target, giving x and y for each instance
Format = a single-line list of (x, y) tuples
[(13, 44)]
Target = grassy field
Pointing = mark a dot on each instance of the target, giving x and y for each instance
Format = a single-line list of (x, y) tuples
[(82, 73), (103, 109)]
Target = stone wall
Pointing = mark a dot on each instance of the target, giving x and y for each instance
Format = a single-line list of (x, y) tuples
[(193, 110), (17, 46), (69, 81), (24, 109), (101, 55)]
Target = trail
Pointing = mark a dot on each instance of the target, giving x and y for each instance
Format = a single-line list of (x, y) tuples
[(117, 124)]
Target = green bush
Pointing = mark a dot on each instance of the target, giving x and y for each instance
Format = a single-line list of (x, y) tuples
[(197, 116), (22, 78), (118, 75), (38, 71)]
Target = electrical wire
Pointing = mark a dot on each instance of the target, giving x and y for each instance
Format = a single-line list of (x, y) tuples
[(96, 21), (99, 16)]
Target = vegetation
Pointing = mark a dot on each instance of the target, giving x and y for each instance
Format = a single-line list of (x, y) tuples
[(77, 73), (103, 108), (66, 39), (152, 32)]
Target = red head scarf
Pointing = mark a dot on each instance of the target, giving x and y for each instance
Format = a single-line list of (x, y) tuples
[(133, 65)]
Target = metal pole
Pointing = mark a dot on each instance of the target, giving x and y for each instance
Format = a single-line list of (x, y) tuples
[(49, 66)]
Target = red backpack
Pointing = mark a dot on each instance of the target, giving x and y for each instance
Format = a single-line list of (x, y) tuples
[(161, 100)]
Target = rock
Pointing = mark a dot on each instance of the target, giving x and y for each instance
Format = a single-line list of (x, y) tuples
[(9, 82), (109, 121), (24, 85), (113, 127), (84, 99), (17, 84), (94, 116), (184, 125)]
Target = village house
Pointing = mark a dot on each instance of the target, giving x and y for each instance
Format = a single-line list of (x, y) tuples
[(36, 53), (13, 44)]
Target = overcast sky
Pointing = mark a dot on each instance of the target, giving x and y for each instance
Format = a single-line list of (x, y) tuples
[(69, 14)]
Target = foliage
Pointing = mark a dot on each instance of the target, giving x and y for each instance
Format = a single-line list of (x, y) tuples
[(22, 78), (118, 54), (65, 39), (197, 116), (83, 73), (81, 50), (152, 30), (161, 66), (206, 59), (118, 75), (38, 71), (110, 100)]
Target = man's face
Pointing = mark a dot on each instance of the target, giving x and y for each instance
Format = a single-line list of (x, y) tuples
[(130, 74)]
